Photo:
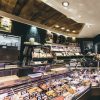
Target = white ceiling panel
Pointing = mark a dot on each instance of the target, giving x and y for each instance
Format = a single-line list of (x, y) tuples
[(83, 11)]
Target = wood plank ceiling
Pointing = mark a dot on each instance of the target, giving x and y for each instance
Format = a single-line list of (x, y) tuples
[(39, 12)]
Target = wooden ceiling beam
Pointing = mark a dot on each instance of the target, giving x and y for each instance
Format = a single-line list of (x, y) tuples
[(49, 17), (7, 5), (36, 15), (19, 5)]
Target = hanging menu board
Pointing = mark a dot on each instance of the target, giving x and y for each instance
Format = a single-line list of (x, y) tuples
[(10, 40), (9, 47), (5, 24)]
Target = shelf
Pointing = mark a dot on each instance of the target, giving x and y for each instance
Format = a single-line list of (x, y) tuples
[(35, 65), (83, 68), (34, 45), (58, 51), (39, 45), (61, 57), (9, 68), (71, 57), (89, 56), (41, 59), (54, 44)]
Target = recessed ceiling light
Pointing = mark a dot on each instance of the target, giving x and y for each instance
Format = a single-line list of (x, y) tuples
[(65, 4), (57, 26), (73, 31), (68, 30), (62, 28)]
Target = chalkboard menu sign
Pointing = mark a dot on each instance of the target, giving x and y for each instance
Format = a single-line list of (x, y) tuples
[(9, 48)]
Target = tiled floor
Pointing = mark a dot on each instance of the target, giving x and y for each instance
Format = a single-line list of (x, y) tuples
[(94, 98)]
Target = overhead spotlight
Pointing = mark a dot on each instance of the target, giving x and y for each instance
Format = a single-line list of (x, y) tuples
[(57, 26), (65, 3), (68, 30), (62, 28), (73, 31)]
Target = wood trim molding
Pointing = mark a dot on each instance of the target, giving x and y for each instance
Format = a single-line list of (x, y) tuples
[(22, 20)]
